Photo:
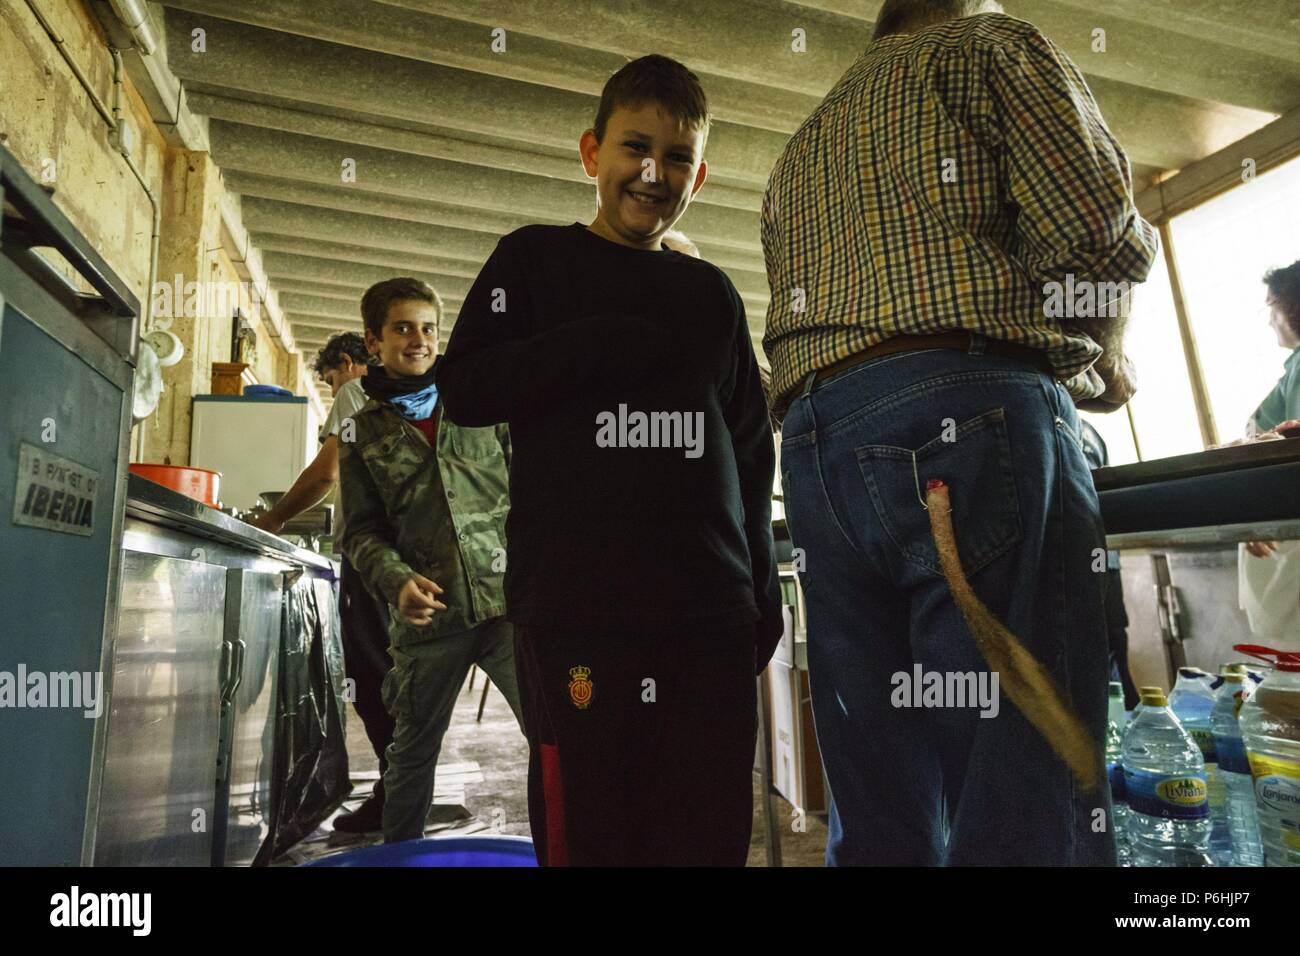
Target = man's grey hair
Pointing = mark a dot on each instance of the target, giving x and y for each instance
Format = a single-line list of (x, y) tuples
[(908, 16), (678, 241)]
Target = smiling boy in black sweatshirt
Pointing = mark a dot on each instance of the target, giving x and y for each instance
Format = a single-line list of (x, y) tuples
[(641, 574)]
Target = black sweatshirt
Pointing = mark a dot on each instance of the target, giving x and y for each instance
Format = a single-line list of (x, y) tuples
[(560, 329)]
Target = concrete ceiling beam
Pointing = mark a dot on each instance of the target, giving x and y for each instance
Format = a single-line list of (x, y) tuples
[(369, 203), (465, 45), (390, 175), (252, 60), (758, 47), (1267, 28), (393, 262), (354, 275), (349, 129)]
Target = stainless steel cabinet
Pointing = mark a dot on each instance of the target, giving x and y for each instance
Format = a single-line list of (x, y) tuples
[(254, 611), (159, 782)]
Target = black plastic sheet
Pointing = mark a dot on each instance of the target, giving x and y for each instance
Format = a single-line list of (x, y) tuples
[(311, 758)]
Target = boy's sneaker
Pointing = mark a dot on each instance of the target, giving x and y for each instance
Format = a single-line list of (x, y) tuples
[(367, 818)]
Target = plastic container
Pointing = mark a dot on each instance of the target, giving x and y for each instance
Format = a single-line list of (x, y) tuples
[(1240, 820), (1270, 728), (1115, 723), (200, 484), (1164, 779), (264, 391), (1192, 701), (467, 851)]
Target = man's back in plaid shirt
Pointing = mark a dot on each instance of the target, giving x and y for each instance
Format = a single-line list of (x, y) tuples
[(942, 182), (956, 177)]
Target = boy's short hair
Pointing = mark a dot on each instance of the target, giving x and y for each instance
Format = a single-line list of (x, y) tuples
[(344, 343), (381, 295), (1284, 285), (654, 79)]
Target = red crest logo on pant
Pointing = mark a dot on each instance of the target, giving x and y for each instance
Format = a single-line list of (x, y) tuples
[(580, 686)]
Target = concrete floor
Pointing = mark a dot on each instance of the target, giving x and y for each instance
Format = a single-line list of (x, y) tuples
[(501, 799)]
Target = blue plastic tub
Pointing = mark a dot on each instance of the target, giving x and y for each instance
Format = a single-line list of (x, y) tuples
[(440, 851), (262, 391)]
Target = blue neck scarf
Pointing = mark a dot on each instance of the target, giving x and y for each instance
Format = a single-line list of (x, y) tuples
[(414, 395), (415, 406)]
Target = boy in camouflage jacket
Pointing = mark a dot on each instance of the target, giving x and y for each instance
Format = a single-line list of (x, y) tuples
[(425, 504)]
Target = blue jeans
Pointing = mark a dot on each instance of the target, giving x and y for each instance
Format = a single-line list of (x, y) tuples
[(929, 785)]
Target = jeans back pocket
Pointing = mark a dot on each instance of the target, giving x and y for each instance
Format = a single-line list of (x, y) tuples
[(974, 460)]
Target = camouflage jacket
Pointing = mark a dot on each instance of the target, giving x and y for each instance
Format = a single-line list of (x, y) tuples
[(441, 514)]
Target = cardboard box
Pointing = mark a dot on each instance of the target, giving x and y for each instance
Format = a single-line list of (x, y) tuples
[(796, 761)]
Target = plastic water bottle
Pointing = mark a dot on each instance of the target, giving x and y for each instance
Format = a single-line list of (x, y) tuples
[(1115, 722), (1164, 780), (1192, 701), (1234, 774), (1270, 727)]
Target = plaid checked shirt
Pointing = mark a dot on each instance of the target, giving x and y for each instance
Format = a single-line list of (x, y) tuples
[(943, 181)]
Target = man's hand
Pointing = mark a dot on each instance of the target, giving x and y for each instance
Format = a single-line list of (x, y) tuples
[(1261, 549), (1119, 375), (416, 602), (268, 522)]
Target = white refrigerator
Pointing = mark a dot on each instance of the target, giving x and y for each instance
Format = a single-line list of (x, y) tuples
[(258, 443)]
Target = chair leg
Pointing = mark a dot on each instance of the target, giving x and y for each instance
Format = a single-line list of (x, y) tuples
[(473, 669), (482, 700)]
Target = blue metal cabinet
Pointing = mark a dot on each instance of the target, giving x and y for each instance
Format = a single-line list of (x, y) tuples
[(66, 373)]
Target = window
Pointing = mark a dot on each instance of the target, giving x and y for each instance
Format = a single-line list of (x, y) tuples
[(1163, 409), (1224, 248)]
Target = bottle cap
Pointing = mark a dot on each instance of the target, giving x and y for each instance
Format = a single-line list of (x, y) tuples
[(1232, 677), (1153, 697), (1233, 667)]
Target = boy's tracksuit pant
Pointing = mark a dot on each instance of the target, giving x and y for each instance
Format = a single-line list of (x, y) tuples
[(420, 693), (641, 744)]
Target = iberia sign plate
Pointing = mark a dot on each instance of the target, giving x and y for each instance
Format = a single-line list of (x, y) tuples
[(55, 493)]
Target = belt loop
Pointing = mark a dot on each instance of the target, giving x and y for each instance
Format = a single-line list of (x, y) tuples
[(977, 343), (808, 384)]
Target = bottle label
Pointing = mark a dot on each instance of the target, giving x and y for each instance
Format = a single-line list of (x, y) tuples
[(1232, 755), (1115, 771), (1277, 792), (1205, 740), (1184, 797)]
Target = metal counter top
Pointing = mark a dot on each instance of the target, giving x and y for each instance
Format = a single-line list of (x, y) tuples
[(1211, 498), (1199, 464), (152, 502)]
